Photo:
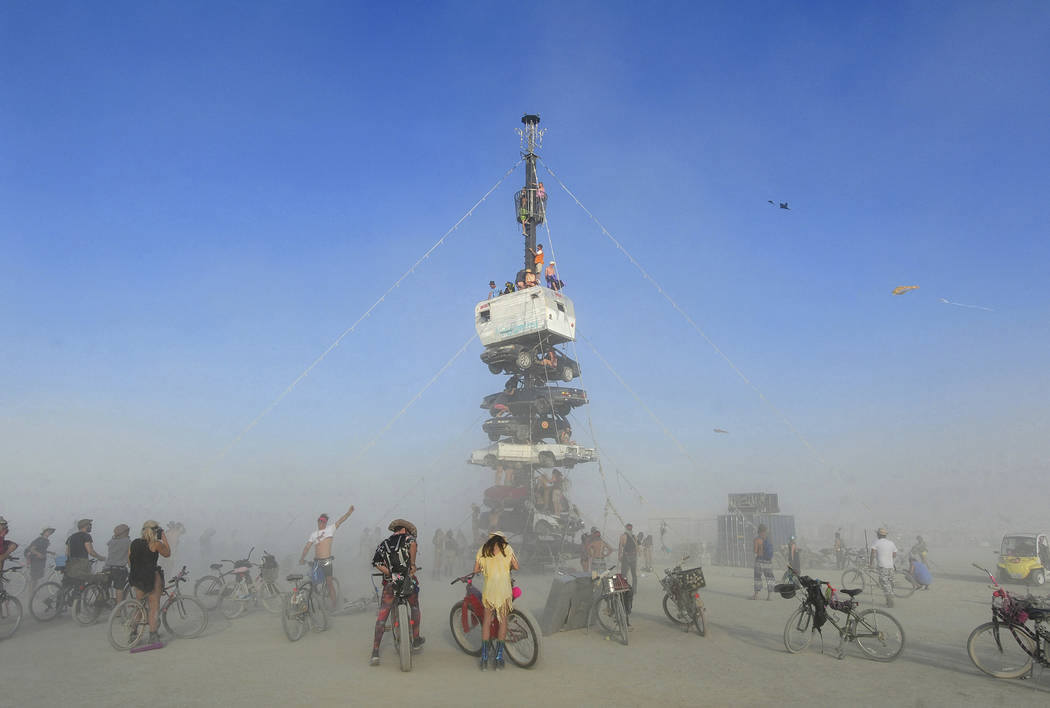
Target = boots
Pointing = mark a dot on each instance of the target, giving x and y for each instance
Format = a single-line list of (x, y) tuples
[(484, 663), (499, 655)]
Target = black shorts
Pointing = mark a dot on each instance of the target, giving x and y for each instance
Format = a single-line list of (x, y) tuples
[(118, 576), (143, 585)]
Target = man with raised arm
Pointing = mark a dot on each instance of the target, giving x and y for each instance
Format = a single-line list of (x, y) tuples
[(321, 540)]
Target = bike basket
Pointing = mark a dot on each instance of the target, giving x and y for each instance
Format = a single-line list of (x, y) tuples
[(692, 579), (616, 583), (786, 590)]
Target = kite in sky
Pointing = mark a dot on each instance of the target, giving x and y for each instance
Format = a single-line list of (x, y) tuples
[(719, 430), (901, 289)]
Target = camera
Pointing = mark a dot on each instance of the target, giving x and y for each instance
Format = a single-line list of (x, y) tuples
[(160, 533)]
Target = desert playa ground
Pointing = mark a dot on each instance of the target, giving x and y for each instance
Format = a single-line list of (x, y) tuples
[(741, 661)]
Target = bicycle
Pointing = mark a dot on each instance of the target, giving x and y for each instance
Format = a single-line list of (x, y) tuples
[(861, 576), (682, 603), (608, 608), (523, 640), (181, 615), (1016, 656), (877, 633), (361, 603), (10, 606), (303, 607), (232, 597), (50, 599), (399, 621), (97, 595), (17, 579)]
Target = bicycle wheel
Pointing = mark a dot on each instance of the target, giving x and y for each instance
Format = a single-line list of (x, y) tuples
[(1005, 658), (294, 616), (673, 612), (235, 602), (185, 617), (208, 591), (16, 582), (10, 616), (903, 585), (523, 638), (128, 624), (700, 615), (318, 614), (271, 597), (853, 578), (468, 633), (879, 635), (621, 618), (88, 606), (798, 632), (44, 603), (403, 634)]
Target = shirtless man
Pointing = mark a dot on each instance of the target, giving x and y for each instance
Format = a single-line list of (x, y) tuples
[(321, 539)]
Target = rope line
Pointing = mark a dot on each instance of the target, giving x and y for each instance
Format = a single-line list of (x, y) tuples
[(331, 347), (641, 403), (645, 274), (419, 394)]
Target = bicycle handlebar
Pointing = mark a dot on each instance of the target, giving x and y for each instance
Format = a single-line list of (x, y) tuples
[(463, 579)]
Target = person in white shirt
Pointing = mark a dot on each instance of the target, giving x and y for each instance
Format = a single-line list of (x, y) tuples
[(321, 540), (882, 557)]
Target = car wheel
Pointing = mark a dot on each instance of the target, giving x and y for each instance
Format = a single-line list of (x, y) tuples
[(524, 360), (490, 460), (493, 437), (546, 459), (495, 369), (567, 374), (1038, 577)]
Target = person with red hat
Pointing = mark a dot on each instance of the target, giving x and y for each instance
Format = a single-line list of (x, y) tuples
[(321, 540)]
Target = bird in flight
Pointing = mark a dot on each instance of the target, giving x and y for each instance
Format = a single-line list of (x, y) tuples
[(719, 430), (901, 289), (783, 205)]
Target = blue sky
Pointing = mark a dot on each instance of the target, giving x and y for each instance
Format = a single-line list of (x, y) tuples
[(197, 198)]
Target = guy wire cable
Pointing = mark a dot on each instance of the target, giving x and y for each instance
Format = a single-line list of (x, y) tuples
[(335, 343)]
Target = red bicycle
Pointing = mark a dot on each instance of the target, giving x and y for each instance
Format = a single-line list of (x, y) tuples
[(523, 638)]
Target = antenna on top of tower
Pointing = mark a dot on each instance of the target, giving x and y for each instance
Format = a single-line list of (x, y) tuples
[(531, 135)]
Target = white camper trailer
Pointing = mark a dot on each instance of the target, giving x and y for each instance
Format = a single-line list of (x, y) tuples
[(521, 316)]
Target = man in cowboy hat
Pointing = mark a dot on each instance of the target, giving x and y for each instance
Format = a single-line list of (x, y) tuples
[(321, 540), (396, 554)]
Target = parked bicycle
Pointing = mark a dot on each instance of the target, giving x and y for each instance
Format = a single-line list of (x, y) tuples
[(1007, 647), (862, 576), (682, 603), (609, 610), (10, 606), (351, 606), (181, 615), (466, 617), (877, 633), (233, 590), (303, 609)]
